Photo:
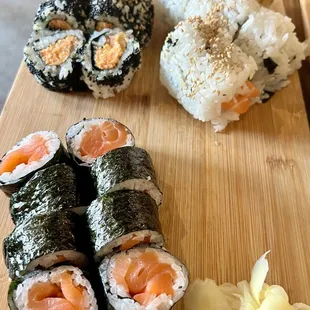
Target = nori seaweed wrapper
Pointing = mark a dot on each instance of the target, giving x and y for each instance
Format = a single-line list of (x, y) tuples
[(61, 156), (74, 12), (120, 165), (49, 190), (120, 213), (135, 15), (41, 236)]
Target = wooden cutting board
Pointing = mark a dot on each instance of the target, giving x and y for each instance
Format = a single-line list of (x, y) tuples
[(228, 197)]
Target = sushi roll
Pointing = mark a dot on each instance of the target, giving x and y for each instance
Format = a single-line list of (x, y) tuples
[(143, 278), (234, 12), (60, 288), (54, 58), (120, 220), (89, 139), (61, 15), (126, 168), (135, 15), (209, 76), (111, 58), (42, 242), (37, 151), (49, 190), (270, 38)]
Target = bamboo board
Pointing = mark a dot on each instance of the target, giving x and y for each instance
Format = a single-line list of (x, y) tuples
[(228, 197)]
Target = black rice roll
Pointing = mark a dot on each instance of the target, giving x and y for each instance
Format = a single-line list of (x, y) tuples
[(53, 70), (44, 241), (120, 220)]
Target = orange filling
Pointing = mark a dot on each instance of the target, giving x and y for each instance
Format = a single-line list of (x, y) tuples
[(34, 151), (241, 103), (102, 25), (103, 138), (65, 296), (59, 24), (132, 242), (144, 277)]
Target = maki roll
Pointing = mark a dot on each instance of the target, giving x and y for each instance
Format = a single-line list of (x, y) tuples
[(34, 152), (42, 242), (209, 76), (143, 278), (61, 15), (54, 58), (49, 190), (60, 288), (118, 221), (135, 15), (270, 38), (126, 168), (89, 139), (111, 58)]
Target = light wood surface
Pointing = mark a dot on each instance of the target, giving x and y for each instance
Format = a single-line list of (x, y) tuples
[(228, 197)]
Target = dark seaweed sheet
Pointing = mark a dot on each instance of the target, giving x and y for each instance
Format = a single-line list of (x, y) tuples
[(120, 213)]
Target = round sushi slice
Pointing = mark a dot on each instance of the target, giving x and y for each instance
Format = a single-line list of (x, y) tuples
[(92, 138), (270, 38), (234, 12), (49, 190), (135, 15), (42, 242), (143, 278), (61, 15), (54, 58), (209, 76), (120, 220), (60, 288), (126, 168), (36, 151), (111, 58)]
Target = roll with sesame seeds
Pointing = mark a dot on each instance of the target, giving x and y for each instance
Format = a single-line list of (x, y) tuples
[(110, 60), (207, 74)]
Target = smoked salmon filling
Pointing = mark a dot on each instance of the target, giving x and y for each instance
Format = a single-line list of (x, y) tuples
[(93, 138), (150, 277), (63, 288)]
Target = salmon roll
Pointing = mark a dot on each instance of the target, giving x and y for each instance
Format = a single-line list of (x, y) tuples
[(126, 168), (143, 278), (135, 15), (270, 38), (37, 151), (111, 58), (60, 288), (209, 76), (61, 15), (54, 58), (44, 241), (49, 190), (118, 221)]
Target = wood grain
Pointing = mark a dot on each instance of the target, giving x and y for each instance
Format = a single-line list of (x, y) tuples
[(228, 197)]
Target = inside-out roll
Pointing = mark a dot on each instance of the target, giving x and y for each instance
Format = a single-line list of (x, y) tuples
[(34, 152), (208, 75), (58, 288), (54, 58), (111, 58), (44, 241), (121, 220), (143, 278), (126, 168)]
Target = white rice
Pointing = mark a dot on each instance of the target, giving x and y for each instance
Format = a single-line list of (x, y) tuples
[(93, 76), (21, 293), (76, 133), (200, 79), (268, 34), (121, 300), (44, 39), (53, 144)]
